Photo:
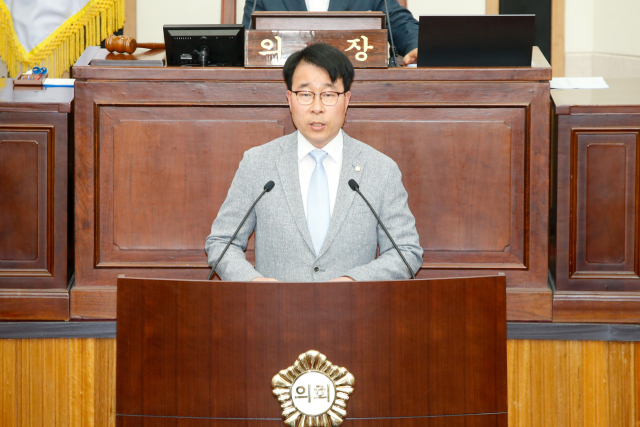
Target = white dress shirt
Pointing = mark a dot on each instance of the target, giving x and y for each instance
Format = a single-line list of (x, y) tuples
[(317, 5), (332, 166)]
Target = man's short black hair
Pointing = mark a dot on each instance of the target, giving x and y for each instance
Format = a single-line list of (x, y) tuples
[(324, 56)]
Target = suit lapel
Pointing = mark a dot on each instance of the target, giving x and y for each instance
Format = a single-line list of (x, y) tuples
[(287, 166), (345, 195), (295, 5)]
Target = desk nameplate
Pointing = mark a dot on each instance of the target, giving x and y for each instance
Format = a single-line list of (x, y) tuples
[(270, 49)]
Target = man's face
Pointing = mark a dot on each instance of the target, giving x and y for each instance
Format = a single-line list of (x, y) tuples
[(317, 122)]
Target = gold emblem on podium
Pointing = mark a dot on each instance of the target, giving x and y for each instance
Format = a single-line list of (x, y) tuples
[(313, 392)]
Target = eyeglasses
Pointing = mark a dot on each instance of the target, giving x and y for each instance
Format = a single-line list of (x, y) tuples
[(306, 97)]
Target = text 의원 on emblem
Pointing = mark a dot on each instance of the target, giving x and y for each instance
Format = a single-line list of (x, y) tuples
[(313, 392)]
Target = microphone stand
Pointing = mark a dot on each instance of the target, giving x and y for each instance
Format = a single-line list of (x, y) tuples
[(392, 58), (355, 187), (267, 187)]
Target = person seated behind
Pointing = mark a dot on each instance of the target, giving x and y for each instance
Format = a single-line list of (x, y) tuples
[(311, 226), (403, 25)]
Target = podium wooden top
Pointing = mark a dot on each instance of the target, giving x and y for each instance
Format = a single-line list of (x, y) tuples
[(539, 71), (54, 99), (623, 96), (318, 21)]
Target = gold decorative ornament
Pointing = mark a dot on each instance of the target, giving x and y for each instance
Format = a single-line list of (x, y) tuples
[(313, 392)]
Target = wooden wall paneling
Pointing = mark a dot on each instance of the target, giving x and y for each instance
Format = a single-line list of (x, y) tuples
[(574, 385), (100, 113), (132, 232), (62, 356), (8, 387), (34, 223), (82, 371), (597, 262), (604, 227), (444, 145), (636, 382), (26, 162), (622, 384), (596, 307), (105, 382), (492, 7), (577, 375), (557, 37), (595, 391), (228, 11), (591, 197), (130, 19)]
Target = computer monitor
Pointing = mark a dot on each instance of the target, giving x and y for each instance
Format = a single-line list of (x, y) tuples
[(476, 41), (204, 45)]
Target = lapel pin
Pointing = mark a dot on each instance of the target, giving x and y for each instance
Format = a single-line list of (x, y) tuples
[(358, 168)]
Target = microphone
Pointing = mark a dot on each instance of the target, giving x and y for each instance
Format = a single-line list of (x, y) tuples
[(267, 187), (355, 187), (392, 59), (255, 2)]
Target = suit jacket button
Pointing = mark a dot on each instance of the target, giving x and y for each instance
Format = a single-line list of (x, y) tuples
[(316, 269)]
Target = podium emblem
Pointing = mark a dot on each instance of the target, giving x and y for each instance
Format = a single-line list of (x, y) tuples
[(313, 392)]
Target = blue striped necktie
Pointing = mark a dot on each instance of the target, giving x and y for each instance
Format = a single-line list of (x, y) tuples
[(318, 205)]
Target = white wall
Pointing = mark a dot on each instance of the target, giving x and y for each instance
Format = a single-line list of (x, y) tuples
[(151, 15), (602, 38), (578, 26), (447, 7), (617, 26)]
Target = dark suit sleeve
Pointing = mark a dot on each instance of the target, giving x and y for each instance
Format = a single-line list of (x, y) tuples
[(248, 7), (403, 26)]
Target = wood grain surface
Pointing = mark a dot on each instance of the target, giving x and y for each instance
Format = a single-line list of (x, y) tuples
[(550, 384), (36, 255), (487, 134), (540, 71), (598, 179), (416, 348)]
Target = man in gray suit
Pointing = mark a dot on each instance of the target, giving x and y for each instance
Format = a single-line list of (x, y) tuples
[(403, 25), (312, 226)]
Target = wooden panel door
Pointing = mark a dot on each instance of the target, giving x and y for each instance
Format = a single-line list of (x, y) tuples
[(34, 255), (598, 215), (163, 175), (26, 181), (464, 170)]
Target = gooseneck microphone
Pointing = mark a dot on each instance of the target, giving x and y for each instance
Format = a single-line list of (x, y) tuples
[(355, 187), (392, 58), (267, 187)]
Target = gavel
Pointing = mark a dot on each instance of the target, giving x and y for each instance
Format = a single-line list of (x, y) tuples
[(122, 44)]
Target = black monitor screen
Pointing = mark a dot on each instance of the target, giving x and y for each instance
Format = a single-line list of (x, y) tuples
[(204, 45), (476, 41)]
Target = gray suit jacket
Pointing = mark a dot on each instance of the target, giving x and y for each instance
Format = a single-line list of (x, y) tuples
[(283, 247)]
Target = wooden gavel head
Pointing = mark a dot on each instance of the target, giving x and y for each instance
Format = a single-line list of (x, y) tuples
[(121, 44)]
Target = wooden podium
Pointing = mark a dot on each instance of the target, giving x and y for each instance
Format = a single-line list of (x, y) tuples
[(423, 352)]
